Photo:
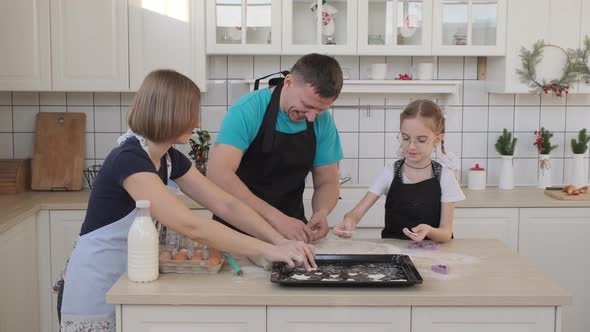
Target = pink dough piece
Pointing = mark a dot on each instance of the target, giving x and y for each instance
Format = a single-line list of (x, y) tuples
[(430, 245), (414, 245), (440, 268)]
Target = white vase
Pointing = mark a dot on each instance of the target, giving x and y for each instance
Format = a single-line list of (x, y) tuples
[(579, 170), (507, 173), (544, 175)]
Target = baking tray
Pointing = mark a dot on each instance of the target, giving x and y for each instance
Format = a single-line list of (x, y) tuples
[(351, 271)]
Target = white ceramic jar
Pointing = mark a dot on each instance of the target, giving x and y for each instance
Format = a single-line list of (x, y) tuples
[(476, 180)]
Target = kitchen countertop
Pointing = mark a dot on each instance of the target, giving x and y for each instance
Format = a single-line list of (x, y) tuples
[(481, 273), (15, 208)]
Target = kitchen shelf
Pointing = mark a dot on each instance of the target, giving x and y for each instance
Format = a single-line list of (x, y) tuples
[(450, 91)]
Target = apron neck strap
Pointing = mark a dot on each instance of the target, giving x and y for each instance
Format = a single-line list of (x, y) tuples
[(272, 81)]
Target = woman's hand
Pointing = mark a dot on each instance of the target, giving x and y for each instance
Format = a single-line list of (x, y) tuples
[(294, 253), (418, 233), (346, 228)]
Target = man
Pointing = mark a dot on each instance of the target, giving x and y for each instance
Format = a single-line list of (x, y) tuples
[(270, 140)]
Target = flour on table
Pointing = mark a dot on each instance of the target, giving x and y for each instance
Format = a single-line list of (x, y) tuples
[(350, 247)]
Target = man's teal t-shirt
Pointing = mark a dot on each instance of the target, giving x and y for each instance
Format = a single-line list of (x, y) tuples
[(244, 118)]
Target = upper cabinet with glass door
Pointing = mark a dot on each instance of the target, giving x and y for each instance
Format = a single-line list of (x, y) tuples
[(395, 27), (244, 26), (469, 27), (322, 26)]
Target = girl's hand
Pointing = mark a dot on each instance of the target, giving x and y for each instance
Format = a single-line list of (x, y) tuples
[(418, 233), (346, 228), (294, 253)]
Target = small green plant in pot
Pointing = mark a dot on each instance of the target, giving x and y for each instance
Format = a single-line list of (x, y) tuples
[(200, 150), (505, 145), (579, 178)]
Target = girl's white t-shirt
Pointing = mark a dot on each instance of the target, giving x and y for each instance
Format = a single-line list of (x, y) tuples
[(450, 188)]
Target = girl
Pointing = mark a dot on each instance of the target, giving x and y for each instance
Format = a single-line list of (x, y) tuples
[(421, 193), (164, 112)]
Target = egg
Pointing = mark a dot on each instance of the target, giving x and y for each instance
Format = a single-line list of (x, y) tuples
[(165, 255), (182, 255), (198, 256), (214, 257)]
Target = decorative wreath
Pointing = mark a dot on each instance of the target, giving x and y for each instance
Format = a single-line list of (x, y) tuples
[(580, 60), (528, 72)]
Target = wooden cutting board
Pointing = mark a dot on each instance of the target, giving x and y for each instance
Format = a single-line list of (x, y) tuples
[(58, 159), (558, 194)]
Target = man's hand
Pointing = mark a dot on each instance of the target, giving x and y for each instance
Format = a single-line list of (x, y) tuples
[(319, 225), (294, 229)]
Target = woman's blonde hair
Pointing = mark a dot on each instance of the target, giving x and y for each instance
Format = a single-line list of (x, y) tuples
[(166, 106), (427, 109)]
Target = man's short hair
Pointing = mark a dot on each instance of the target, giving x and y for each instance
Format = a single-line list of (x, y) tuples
[(322, 72)]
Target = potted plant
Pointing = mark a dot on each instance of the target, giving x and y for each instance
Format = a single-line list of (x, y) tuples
[(200, 150), (505, 146), (580, 165), (544, 147)]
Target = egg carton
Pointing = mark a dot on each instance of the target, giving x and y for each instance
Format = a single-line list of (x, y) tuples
[(190, 267)]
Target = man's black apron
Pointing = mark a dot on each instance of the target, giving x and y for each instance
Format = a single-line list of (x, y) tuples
[(411, 204), (276, 164)]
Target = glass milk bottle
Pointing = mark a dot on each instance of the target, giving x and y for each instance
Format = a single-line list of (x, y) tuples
[(142, 246)]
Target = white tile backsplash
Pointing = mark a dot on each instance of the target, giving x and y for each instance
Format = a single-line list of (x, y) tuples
[(104, 143), (371, 145), (350, 144), (103, 119), (346, 119), (216, 94), (475, 118), (217, 67), (89, 111), (349, 64), (107, 99), (25, 98), (372, 120), (266, 65), (79, 99), (577, 118), (52, 98), (5, 98), (474, 145), (450, 68), (525, 172), (501, 117), (211, 117), (240, 66), (475, 93), (6, 151), (6, 119), (23, 145), (568, 166), (453, 119), (501, 99), (472, 125), (24, 118), (53, 109), (369, 169), (526, 118)]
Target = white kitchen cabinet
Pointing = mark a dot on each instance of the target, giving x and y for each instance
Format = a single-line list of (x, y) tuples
[(556, 241), (560, 22), (395, 27), (243, 26), (491, 223), (64, 228), (140, 318), (19, 302), (331, 30), (24, 39), (338, 319), (89, 45), (167, 35), (469, 27), (483, 319)]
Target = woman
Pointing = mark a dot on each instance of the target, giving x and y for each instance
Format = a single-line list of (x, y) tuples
[(164, 112)]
